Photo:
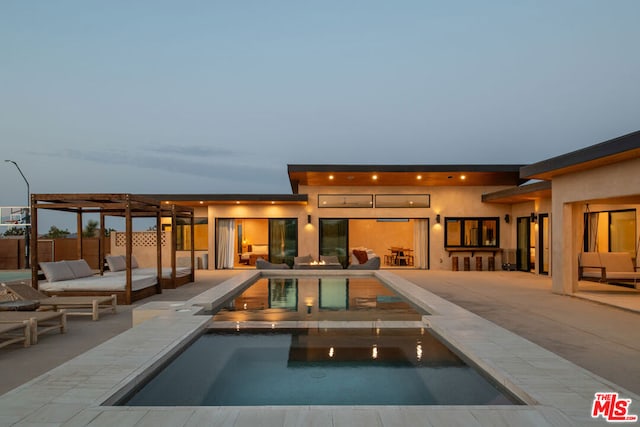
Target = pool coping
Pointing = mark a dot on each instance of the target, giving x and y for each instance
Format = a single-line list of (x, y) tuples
[(557, 391)]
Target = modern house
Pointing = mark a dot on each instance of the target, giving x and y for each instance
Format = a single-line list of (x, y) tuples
[(536, 217)]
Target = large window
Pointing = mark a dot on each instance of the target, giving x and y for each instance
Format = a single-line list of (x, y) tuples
[(472, 232), (200, 234), (610, 231)]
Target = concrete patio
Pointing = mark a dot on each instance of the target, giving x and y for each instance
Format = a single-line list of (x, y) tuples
[(598, 337)]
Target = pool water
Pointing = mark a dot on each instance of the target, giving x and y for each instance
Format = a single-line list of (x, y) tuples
[(318, 367), (315, 299)]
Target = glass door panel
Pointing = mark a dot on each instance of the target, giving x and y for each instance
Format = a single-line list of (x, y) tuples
[(544, 242), (622, 232), (334, 236), (524, 239), (283, 240)]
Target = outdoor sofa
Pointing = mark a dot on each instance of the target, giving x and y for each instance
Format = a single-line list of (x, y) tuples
[(607, 267)]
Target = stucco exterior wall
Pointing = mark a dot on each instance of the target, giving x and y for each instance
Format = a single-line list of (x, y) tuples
[(570, 193)]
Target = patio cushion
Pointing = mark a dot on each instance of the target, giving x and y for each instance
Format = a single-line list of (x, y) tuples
[(116, 263), (56, 271), (80, 268)]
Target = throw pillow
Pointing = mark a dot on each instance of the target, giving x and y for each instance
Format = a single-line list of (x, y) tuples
[(361, 256)]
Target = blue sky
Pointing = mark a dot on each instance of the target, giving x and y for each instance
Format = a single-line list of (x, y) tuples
[(218, 97)]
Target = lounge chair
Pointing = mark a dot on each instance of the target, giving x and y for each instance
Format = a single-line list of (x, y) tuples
[(39, 321), (12, 332), (94, 303)]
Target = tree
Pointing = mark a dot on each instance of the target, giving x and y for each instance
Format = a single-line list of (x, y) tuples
[(15, 231), (55, 233), (91, 229)]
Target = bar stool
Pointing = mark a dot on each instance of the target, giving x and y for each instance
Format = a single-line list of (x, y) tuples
[(454, 263), (492, 263), (467, 263), (478, 263)]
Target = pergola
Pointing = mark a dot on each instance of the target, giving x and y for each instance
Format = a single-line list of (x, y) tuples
[(124, 205)]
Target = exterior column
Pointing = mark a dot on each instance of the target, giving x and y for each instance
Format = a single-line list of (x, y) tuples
[(34, 243), (566, 235)]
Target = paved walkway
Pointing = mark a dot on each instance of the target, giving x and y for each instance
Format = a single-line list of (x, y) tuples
[(601, 338)]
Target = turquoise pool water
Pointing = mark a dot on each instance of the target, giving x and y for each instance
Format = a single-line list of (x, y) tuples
[(13, 275), (318, 367)]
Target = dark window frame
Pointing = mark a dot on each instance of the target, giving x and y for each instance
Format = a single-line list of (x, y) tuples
[(480, 220)]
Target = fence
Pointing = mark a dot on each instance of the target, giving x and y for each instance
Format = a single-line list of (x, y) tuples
[(12, 251)]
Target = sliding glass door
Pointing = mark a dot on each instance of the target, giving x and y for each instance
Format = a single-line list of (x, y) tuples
[(523, 261), (544, 243), (334, 239), (283, 240)]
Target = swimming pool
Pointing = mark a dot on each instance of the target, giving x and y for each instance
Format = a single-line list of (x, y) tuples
[(318, 367), (256, 353)]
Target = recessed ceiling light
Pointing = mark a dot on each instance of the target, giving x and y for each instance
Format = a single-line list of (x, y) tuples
[(374, 177), (238, 202), (273, 203), (201, 202), (330, 176), (419, 177), (463, 177)]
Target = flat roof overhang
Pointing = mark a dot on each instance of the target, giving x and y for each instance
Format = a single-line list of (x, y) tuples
[(230, 199), (523, 193), (615, 150), (403, 175)]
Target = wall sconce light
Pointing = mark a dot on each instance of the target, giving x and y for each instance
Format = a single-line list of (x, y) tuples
[(309, 219), (534, 217), (438, 219), (507, 218)]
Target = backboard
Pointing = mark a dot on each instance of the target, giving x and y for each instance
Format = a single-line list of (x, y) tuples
[(14, 216)]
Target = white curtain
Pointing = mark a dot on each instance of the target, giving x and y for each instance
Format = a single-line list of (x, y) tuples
[(421, 243), (592, 237), (225, 244)]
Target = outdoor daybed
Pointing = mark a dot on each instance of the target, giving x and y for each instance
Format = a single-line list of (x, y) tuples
[(71, 278), (118, 266), (607, 267)]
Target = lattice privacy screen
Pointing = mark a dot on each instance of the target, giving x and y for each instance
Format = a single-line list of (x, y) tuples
[(140, 238)]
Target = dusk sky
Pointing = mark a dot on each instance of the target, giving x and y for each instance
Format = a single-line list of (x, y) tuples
[(218, 97)]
